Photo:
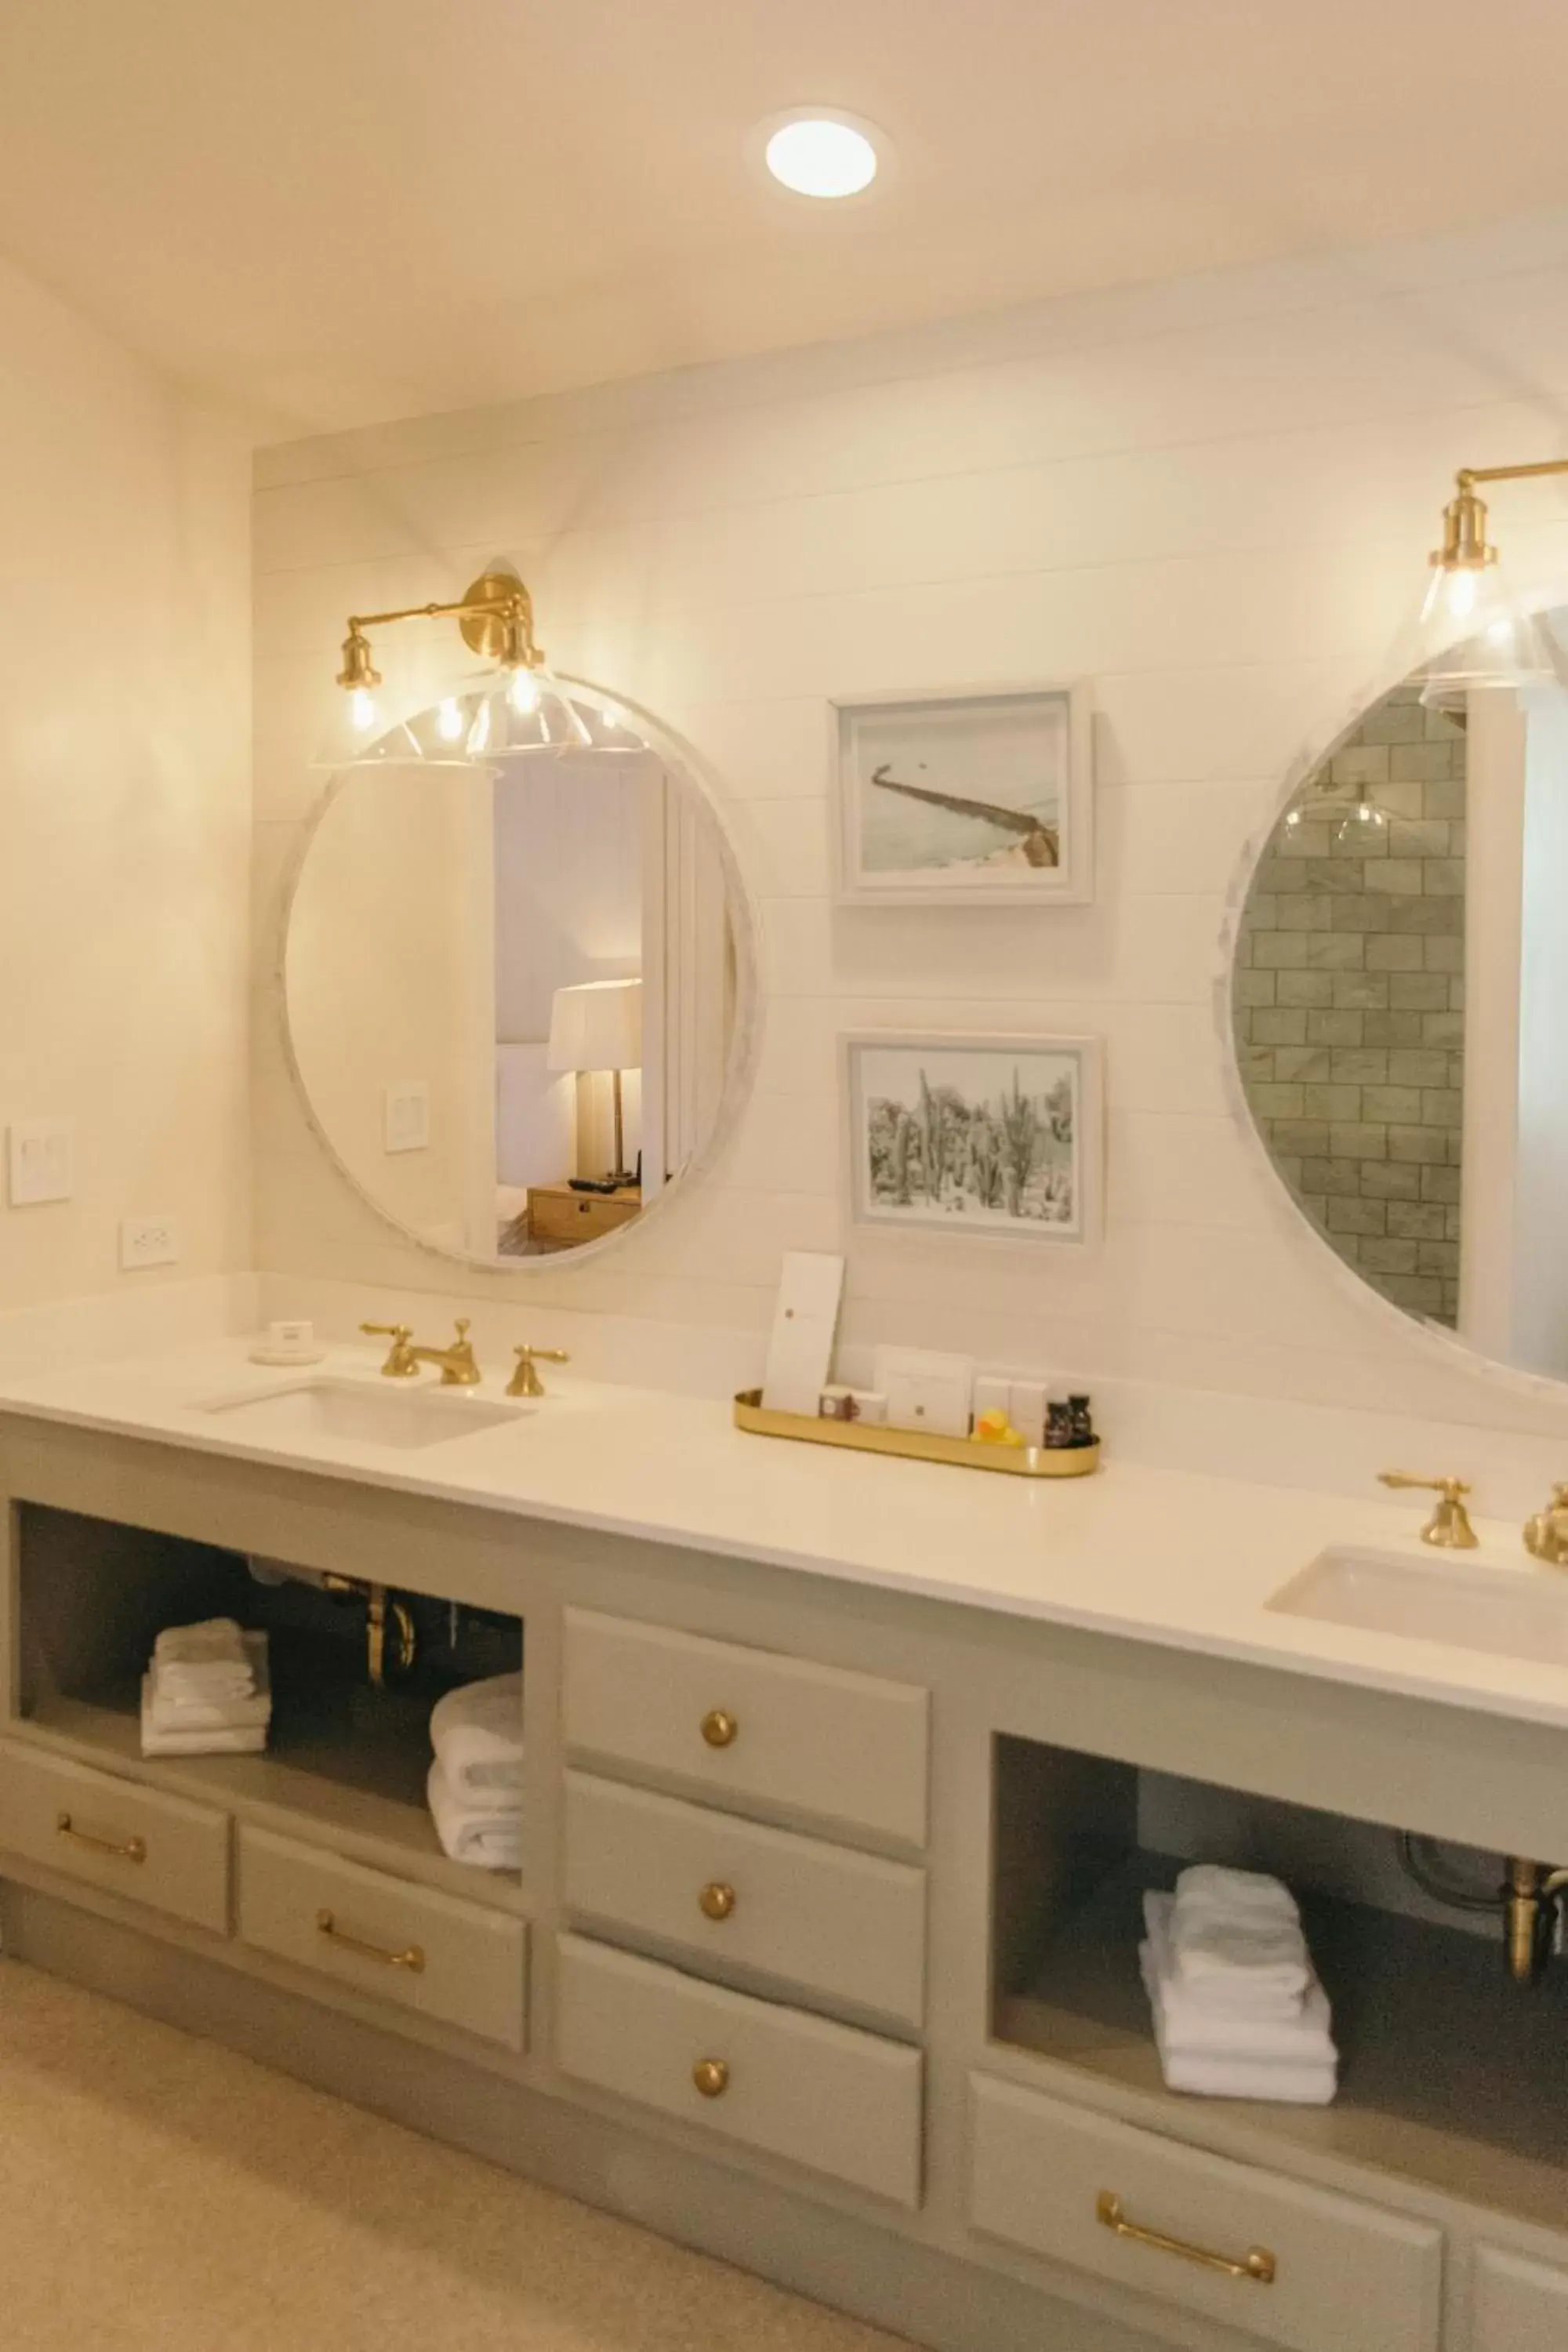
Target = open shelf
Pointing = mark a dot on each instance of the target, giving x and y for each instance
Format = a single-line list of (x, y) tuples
[(342, 1758), (1450, 2074)]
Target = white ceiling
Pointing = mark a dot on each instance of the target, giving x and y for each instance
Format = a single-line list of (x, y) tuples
[(337, 211)]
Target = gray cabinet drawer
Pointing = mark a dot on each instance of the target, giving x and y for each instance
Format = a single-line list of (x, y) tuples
[(1348, 2277), (749, 1724), (458, 1963), (1518, 2304), (848, 1926), (829, 2097), (116, 1834)]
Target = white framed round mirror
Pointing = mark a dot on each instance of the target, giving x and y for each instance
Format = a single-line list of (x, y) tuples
[(1399, 1010), (519, 996)]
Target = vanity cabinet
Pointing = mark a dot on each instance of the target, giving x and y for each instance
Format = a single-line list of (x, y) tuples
[(823, 1950)]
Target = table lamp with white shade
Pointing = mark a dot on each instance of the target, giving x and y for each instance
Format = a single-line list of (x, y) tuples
[(597, 1026)]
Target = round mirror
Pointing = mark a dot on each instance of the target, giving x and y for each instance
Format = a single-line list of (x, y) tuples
[(1400, 1007), (515, 994)]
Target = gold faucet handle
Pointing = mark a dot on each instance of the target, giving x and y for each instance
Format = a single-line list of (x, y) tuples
[(525, 1381), (400, 1364), (1448, 1528)]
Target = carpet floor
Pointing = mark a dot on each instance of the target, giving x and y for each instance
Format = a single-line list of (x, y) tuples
[(160, 2194)]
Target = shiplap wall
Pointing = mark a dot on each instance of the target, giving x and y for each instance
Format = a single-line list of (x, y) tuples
[(1213, 499)]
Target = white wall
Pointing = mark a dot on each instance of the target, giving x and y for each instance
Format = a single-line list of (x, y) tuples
[(125, 802), (1212, 499)]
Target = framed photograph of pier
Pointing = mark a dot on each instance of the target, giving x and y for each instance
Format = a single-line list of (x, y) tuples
[(972, 799), (989, 1138)]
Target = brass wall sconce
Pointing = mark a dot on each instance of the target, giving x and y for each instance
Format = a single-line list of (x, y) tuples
[(1503, 646), (519, 707)]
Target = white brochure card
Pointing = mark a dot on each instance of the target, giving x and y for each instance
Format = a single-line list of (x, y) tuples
[(800, 1350)]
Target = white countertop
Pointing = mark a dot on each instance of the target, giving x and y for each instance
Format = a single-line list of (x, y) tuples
[(1179, 1560)]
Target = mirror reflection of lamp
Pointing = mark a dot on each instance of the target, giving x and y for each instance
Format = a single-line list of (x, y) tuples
[(597, 1026)]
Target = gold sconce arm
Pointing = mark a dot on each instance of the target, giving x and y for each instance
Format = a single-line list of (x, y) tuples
[(495, 613)]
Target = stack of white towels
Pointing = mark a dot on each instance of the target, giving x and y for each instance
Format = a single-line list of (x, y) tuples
[(475, 1787), (207, 1692), (1239, 2010)]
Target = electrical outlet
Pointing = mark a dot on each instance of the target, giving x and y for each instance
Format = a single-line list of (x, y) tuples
[(148, 1241), (40, 1153), (407, 1116)]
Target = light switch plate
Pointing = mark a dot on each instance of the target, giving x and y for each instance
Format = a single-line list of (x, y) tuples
[(406, 1122), (41, 1154), (148, 1241)]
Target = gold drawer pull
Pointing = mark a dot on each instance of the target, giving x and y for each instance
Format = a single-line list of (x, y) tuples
[(134, 1850), (716, 1900), (720, 1728), (712, 2077), (1257, 2263), (411, 1957)]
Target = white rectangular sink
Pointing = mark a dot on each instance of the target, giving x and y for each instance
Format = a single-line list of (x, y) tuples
[(1508, 1613), (397, 1417)]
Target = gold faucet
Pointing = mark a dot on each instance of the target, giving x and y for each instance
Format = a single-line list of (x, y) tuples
[(459, 1368), (525, 1381), (401, 1364), (1546, 1534), (1448, 1528)]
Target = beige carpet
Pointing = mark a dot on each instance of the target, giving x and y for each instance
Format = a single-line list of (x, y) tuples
[(158, 2192)]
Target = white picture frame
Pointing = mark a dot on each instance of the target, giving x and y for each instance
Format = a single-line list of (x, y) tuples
[(1015, 1126), (964, 798)]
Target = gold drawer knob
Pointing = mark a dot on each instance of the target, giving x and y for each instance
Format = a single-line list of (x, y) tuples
[(134, 1850), (1257, 2264), (716, 1900), (411, 1957), (720, 1728), (712, 2077)]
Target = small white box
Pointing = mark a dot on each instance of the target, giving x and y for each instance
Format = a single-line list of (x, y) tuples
[(925, 1391), (1027, 1410)]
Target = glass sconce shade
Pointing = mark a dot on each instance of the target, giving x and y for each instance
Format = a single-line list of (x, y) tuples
[(1473, 635), (520, 710)]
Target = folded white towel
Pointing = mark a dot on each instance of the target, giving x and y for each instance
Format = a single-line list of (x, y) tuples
[(1234, 1932), (1193, 2024), (480, 1835), (1308, 2079), (238, 1739), (216, 1640), (1250, 2078), (477, 1734), (176, 1712)]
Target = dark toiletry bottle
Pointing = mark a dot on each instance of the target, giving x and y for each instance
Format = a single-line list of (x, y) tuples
[(1059, 1425), (1080, 1420)]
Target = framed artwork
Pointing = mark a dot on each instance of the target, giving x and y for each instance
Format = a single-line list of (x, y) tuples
[(971, 799), (997, 1137)]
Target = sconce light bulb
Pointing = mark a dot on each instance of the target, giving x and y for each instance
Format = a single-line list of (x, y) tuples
[(449, 721), (523, 692), (1461, 593), (362, 709)]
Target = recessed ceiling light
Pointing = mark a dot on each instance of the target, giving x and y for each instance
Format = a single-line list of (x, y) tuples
[(821, 155)]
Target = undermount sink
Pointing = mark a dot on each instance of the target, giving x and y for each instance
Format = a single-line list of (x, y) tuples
[(1510, 1613), (401, 1418)]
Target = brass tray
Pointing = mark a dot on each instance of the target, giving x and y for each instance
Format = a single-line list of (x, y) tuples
[(915, 1445)]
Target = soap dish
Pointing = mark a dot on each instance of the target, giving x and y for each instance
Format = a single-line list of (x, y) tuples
[(916, 1444), (288, 1356)]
